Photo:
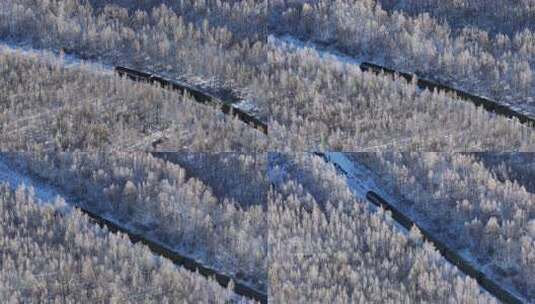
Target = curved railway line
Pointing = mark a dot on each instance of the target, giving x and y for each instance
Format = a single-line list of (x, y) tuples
[(180, 260), (198, 95), (487, 104), (449, 254), (157, 248)]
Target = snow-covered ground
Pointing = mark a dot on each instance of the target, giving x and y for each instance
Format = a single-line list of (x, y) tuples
[(42, 192), (359, 178), (66, 60), (290, 43)]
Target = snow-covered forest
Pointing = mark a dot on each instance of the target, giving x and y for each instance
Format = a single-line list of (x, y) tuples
[(327, 245), (500, 66), (310, 101), (239, 177), (456, 196), (323, 104), (272, 151), (156, 199), (47, 106), (313, 235), (511, 166), (498, 16), (159, 39), (156, 39), (53, 255)]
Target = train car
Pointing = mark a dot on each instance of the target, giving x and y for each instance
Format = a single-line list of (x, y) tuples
[(449, 254), (133, 74), (375, 199)]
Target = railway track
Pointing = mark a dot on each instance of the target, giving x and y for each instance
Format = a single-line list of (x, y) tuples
[(198, 95), (180, 260), (449, 254), (240, 288), (487, 103)]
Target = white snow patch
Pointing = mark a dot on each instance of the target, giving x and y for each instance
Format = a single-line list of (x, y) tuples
[(245, 105), (66, 60), (359, 177), (290, 43), (42, 192)]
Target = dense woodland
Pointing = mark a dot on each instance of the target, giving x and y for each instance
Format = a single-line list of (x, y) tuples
[(465, 203), (236, 176), (310, 103), (318, 242), (497, 16), (246, 19), (157, 200), (79, 112), (50, 256), (323, 104), (157, 39), (519, 167), (499, 66), (310, 237), (46, 106), (327, 246)]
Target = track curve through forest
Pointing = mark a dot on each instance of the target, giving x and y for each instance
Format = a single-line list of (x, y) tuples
[(327, 49), (197, 94), (47, 192), (180, 260), (71, 58), (449, 254), (487, 103)]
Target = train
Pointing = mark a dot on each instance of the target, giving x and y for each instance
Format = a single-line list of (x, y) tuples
[(198, 95), (487, 103)]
